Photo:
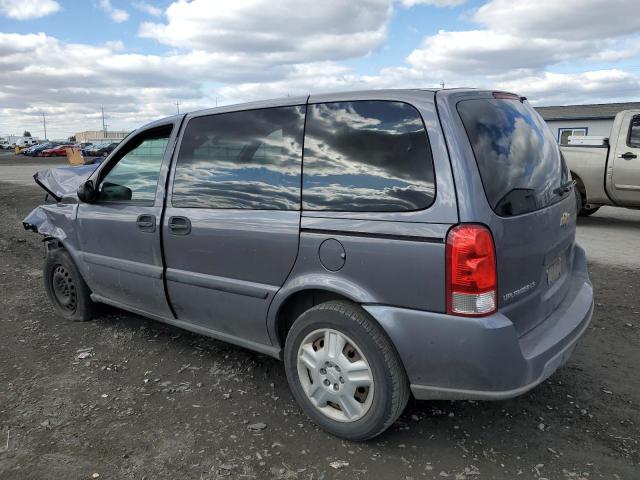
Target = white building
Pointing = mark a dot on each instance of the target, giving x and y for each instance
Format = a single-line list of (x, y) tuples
[(583, 120), (99, 136)]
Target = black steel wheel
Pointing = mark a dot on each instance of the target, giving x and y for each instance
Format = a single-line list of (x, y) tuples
[(64, 289), (65, 286)]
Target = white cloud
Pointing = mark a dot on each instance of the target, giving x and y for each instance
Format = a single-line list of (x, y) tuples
[(117, 15), (284, 32), (253, 49), (522, 38), (566, 19), (148, 8), (434, 3), (28, 9), (598, 86), (481, 52)]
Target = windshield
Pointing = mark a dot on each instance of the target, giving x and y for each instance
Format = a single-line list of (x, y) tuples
[(517, 156)]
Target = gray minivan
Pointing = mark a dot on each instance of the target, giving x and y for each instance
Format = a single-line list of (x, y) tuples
[(381, 243)]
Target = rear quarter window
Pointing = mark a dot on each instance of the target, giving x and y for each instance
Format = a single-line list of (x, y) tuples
[(517, 156), (366, 156)]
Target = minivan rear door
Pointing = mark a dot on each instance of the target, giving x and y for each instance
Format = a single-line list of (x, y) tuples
[(531, 206), (231, 224)]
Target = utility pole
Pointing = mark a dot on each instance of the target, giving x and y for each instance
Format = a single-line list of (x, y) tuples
[(44, 123), (178, 106), (442, 84), (104, 127)]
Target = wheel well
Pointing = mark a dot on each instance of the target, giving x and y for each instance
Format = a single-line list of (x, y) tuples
[(579, 185), (297, 304)]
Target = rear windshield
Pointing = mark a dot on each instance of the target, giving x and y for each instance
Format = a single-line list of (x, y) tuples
[(518, 157)]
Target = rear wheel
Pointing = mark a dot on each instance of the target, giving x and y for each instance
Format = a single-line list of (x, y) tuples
[(66, 288), (582, 210), (344, 372), (585, 212)]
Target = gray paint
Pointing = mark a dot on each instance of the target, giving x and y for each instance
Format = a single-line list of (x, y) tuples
[(455, 357), (229, 276)]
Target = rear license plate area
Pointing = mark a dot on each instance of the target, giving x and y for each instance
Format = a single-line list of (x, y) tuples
[(554, 271)]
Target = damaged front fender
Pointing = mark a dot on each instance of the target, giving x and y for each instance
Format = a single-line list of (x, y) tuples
[(53, 220), (57, 220)]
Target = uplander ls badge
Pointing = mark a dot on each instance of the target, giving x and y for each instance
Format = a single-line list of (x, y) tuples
[(564, 219)]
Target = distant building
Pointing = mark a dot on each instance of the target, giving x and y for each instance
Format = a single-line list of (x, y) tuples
[(582, 120), (99, 136), (13, 140)]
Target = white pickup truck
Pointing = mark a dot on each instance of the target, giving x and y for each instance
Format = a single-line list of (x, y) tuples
[(607, 170)]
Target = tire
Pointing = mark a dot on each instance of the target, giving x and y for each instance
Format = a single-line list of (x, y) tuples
[(345, 404), (586, 212), (580, 208), (66, 288), (578, 197)]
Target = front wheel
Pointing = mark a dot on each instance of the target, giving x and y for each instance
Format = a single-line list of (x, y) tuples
[(66, 288), (344, 372)]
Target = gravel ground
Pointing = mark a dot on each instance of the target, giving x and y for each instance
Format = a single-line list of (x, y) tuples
[(126, 397)]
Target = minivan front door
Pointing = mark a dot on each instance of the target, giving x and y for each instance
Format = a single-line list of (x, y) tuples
[(119, 232), (231, 225), (625, 173)]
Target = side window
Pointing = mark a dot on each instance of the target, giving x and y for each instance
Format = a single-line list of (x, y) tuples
[(565, 133), (135, 177), (634, 132), (250, 160), (366, 156)]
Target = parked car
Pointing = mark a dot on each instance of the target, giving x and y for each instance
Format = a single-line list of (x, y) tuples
[(427, 247), (27, 149), (101, 150), (58, 151), (36, 150), (607, 170)]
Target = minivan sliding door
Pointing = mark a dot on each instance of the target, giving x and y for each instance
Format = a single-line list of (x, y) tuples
[(231, 224)]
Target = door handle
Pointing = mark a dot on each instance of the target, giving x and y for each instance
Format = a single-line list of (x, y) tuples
[(628, 155), (179, 225), (146, 223)]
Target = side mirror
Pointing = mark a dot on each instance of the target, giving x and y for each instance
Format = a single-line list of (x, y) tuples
[(87, 192)]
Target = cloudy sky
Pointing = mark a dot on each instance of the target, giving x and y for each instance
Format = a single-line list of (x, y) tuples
[(66, 58)]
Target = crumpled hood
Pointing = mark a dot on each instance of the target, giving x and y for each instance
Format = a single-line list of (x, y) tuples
[(61, 181)]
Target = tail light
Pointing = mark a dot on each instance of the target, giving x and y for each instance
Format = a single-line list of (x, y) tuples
[(471, 271)]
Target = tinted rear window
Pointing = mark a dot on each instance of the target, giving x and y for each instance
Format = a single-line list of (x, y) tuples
[(518, 157), (366, 156)]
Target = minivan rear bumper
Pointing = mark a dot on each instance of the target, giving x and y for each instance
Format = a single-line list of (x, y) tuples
[(449, 357)]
